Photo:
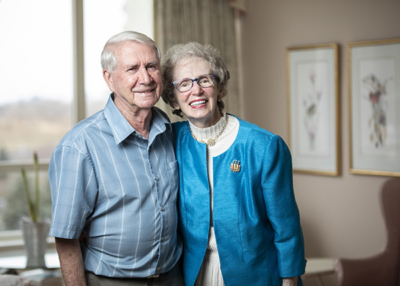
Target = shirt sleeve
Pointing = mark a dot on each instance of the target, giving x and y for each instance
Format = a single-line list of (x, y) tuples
[(282, 210), (73, 191)]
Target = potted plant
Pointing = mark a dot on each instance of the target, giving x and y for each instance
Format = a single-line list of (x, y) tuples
[(34, 230)]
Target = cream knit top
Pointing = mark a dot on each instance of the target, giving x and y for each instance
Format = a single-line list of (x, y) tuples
[(210, 272)]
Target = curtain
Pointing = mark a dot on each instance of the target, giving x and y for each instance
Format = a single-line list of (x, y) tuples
[(204, 21)]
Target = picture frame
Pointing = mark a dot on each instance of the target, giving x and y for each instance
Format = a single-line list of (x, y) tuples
[(313, 108), (374, 107)]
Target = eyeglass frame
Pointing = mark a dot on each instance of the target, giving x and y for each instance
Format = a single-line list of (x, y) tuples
[(194, 80)]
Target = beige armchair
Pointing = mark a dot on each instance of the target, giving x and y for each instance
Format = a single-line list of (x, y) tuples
[(382, 269)]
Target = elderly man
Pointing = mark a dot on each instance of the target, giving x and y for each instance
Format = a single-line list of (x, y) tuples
[(114, 178)]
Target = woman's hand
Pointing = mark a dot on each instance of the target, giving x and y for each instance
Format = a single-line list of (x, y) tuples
[(289, 281)]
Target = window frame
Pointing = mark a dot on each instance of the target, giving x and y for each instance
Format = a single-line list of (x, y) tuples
[(12, 240)]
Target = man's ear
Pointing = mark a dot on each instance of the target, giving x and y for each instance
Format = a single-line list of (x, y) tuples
[(108, 78)]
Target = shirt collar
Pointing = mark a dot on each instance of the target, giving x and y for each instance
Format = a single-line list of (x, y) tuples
[(121, 128)]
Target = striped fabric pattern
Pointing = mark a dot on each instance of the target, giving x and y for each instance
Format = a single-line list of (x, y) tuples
[(120, 189)]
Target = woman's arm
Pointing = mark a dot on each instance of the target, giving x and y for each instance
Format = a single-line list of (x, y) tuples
[(289, 281), (281, 207)]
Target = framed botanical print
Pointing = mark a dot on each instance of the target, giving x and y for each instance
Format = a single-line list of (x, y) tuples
[(313, 104), (374, 101)]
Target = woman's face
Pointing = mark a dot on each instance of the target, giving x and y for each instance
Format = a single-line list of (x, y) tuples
[(199, 104)]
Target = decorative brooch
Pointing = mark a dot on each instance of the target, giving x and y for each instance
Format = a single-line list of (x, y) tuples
[(235, 166)]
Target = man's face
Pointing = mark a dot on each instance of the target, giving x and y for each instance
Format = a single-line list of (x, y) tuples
[(136, 82)]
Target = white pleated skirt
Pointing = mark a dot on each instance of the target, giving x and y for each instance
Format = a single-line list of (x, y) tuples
[(210, 273)]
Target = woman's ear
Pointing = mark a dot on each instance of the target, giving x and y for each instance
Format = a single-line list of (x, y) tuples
[(176, 110), (175, 105), (173, 102), (220, 95)]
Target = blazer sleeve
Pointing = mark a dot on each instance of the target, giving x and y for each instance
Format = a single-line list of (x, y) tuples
[(282, 210)]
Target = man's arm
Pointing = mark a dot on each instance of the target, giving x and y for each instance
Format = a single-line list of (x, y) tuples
[(69, 252)]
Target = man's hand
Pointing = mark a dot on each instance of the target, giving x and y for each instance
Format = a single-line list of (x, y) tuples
[(289, 281), (69, 252)]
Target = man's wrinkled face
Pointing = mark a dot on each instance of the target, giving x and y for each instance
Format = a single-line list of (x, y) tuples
[(136, 82)]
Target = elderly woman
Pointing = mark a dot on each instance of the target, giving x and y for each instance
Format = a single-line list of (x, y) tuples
[(238, 215)]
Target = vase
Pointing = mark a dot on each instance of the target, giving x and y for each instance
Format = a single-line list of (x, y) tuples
[(35, 238)]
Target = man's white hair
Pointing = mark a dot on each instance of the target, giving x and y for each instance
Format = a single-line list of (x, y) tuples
[(108, 59)]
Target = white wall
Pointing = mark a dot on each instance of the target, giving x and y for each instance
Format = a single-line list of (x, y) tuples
[(341, 216)]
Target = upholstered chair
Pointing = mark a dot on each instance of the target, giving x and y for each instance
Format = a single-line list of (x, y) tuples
[(382, 269)]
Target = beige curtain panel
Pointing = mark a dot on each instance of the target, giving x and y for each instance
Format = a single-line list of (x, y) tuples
[(204, 21)]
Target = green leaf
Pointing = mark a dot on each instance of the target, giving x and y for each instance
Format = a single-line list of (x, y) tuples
[(37, 193), (28, 195)]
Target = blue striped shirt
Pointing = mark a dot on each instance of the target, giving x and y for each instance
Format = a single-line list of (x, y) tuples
[(120, 189)]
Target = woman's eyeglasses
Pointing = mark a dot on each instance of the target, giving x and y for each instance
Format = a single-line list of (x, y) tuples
[(186, 84)]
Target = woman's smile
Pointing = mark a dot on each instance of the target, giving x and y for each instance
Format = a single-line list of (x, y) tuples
[(198, 103)]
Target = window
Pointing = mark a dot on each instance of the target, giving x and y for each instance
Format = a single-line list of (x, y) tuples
[(40, 97), (36, 76), (99, 28), (36, 93)]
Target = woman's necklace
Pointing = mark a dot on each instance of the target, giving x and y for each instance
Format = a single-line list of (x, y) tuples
[(211, 141)]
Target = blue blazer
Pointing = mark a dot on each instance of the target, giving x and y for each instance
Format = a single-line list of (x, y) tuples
[(255, 216)]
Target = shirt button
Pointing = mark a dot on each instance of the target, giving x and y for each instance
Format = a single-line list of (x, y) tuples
[(162, 208), (162, 239), (156, 178), (158, 268)]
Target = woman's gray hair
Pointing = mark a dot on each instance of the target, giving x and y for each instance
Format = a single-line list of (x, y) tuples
[(108, 59), (192, 50)]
